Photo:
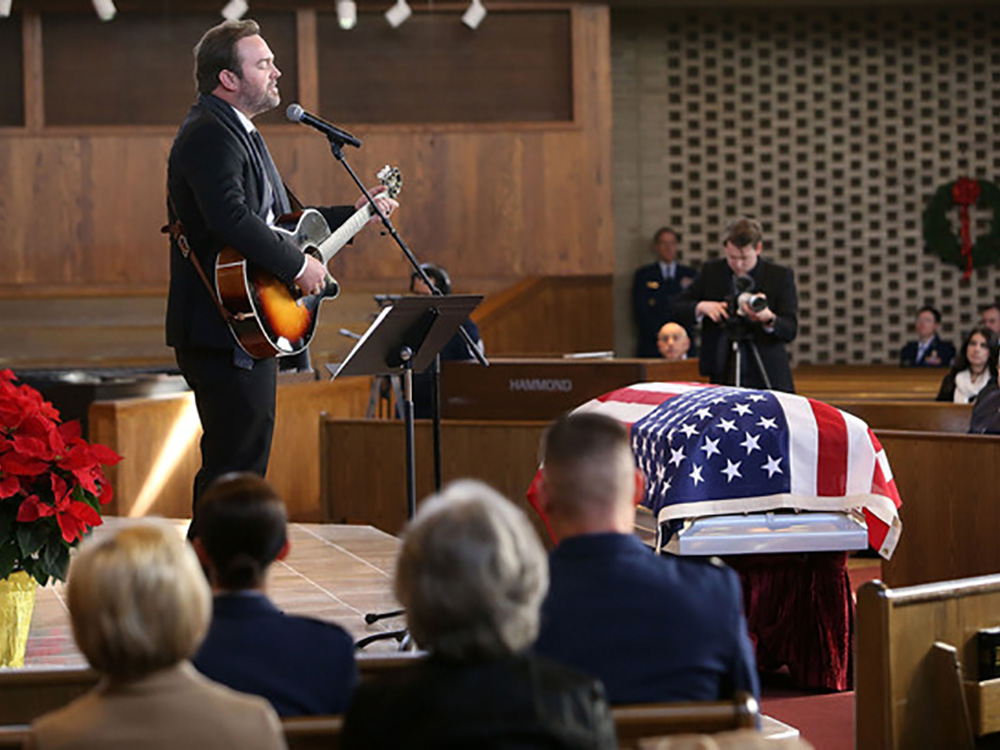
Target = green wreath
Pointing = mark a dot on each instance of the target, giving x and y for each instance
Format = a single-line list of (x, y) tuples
[(940, 238)]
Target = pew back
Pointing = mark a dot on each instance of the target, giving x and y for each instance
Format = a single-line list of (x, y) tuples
[(951, 514), (905, 694), (919, 416)]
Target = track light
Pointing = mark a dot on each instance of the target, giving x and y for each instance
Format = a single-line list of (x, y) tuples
[(105, 9), (398, 13), (474, 15), (347, 14), (5, 8), (234, 10)]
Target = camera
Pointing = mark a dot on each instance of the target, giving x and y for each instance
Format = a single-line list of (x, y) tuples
[(745, 296)]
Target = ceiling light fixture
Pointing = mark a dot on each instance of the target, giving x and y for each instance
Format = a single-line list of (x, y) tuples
[(347, 14), (398, 13), (234, 10), (105, 9), (474, 15)]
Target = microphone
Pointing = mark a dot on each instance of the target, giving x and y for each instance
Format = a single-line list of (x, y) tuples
[(295, 113)]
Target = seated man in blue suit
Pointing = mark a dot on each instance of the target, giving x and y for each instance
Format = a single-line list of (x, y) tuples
[(303, 666), (652, 628)]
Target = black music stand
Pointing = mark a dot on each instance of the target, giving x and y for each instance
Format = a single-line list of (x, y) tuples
[(405, 338)]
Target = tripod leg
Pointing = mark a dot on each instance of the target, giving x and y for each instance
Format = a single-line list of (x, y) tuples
[(760, 364)]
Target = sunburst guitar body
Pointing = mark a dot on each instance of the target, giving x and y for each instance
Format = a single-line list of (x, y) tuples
[(271, 318)]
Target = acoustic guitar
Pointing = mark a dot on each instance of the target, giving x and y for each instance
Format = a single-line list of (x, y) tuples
[(270, 317)]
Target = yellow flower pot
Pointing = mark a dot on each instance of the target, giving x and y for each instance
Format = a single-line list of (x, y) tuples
[(17, 602)]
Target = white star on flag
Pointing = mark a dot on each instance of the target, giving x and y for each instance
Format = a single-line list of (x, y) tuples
[(732, 470), (711, 447), (751, 443), (772, 466), (696, 475)]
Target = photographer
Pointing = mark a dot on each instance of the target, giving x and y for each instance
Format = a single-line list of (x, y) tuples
[(745, 298)]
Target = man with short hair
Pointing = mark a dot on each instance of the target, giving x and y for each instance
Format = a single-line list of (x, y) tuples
[(655, 290), (746, 300), (928, 350), (224, 191), (673, 342), (651, 628), (989, 317)]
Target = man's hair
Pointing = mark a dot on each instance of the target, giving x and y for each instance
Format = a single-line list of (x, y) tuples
[(437, 274), (666, 230), (471, 574), (742, 232), (990, 306), (138, 600), (587, 463), (932, 310), (216, 52), (242, 527)]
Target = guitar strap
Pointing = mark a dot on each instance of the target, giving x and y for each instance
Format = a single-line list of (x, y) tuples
[(176, 232)]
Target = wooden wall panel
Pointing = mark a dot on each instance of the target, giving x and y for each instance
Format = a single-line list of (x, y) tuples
[(143, 62), (81, 209), (11, 73), (447, 72), (552, 315)]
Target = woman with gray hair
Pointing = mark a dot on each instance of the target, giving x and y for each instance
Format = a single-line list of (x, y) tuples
[(140, 605), (472, 574)]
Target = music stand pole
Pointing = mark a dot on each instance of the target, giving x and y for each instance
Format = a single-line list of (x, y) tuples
[(406, 356)]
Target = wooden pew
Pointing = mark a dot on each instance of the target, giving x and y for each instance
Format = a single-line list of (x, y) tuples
[(951, 505), (916, 665), (930, 416), (27, 694), (833, 383), (632, 723)]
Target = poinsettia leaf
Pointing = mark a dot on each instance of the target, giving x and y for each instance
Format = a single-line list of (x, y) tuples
[(31, 537), (55, 558), (8, 558), (8, 512)]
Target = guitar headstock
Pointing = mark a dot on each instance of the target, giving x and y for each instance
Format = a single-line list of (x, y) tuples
[(392, 179)]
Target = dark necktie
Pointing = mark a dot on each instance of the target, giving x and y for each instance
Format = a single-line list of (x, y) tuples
[(276, 198)]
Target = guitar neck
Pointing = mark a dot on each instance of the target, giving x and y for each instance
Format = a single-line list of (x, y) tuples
[(344, 233)]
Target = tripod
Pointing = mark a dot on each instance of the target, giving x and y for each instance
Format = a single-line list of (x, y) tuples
[(739, 335)]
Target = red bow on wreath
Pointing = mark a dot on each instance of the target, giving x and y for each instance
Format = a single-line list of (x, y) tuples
[(965, 193)]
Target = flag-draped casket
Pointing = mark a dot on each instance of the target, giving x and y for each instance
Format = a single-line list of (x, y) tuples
[(717, 450)]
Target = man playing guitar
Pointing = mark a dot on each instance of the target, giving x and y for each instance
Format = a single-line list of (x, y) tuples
[(224, 191)]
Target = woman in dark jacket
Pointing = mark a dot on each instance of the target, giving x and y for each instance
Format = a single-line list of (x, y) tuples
[(472, 574), (974, 367)]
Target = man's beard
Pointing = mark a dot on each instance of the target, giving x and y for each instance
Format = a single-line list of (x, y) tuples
[(266, 101)]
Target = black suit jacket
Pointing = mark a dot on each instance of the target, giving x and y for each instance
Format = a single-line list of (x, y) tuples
[(303, 666), (513, 703), (715, 282), (216, 182), (654, 303), (940, 352)]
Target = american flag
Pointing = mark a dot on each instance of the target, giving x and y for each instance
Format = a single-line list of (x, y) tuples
[(717, 450)]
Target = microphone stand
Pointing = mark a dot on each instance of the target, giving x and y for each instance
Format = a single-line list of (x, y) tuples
[(337, 148)]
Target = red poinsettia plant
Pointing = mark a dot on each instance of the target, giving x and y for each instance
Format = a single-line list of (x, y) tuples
[(52, 484)]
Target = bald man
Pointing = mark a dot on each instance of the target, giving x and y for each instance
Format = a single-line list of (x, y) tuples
[(651, 628), (673, 342)]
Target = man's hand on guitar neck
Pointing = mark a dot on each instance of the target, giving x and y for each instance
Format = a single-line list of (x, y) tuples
[(312, 277), (385, 204)]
